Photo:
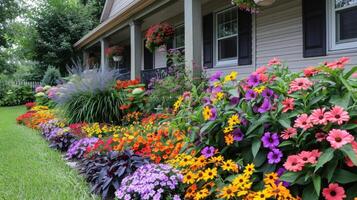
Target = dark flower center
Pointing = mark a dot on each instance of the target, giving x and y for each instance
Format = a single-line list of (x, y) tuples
[(321, 117), (271, 140), (333, 193), (229, 191), (294, 163), (304, 123), (300, 84), (208, 151), (210, 173), (275, 156), (304, 159), (337, 116), (188, 177), (338, 139)]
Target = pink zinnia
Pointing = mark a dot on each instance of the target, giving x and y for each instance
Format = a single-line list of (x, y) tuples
[(293, 163), (309, 156), (288, 133), (300, 84), (354, 75), (274, 61), (318, 117), (338, 138), (337, 115), (310, 71), (303, 122), (334, 192), (339, 64), (288, 104), (320, 136), (261, 70)]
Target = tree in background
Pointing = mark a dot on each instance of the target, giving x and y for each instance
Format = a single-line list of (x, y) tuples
[(9, 10), (59, 24)]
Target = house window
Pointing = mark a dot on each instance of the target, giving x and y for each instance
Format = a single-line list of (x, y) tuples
[(180, 37), (227, 34), (343, 20)]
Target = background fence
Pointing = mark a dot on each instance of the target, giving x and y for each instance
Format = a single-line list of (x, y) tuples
[(32, 84)]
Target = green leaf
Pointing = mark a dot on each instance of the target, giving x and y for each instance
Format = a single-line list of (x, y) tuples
[(256, 146), (286, 143), (290, 177), (342, 101), (262, 120), (349, 73), (317, 184), (309, 193), (330, 169), (349, 126), (285, 122), (343, 176), (324, 158), (348, 151)]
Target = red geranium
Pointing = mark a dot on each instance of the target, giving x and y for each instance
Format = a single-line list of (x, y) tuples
[(158, 34)]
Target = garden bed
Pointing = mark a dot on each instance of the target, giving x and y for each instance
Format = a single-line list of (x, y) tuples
[(274, 135)]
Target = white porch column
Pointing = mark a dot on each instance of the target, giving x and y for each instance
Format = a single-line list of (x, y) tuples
[(135, 48), (85, 59), (104, 62), (193, 37)]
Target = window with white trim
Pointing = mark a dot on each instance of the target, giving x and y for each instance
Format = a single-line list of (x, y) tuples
[(179, 42), (227, 34), (343, 24)]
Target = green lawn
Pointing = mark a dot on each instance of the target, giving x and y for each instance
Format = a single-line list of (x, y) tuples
[(29, 169)]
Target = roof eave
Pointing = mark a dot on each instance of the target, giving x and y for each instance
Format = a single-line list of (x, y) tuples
[(112, 22)]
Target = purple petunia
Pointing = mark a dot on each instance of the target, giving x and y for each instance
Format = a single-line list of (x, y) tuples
[(265, 107), (270, 140), (253, 80), (274, 156), (233, 101), (237, 135), (268, 93), (208, 152), (215, 90), (251, 94), (213, 114), (206, 101), (216, 76)]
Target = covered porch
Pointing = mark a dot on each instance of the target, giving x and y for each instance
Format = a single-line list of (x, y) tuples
[(137, 61)]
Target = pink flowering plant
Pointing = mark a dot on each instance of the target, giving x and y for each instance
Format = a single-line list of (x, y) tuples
[(303, 123)]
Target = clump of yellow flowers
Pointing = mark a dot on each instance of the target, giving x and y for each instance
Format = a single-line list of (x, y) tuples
[(100, 130), (217, 178)]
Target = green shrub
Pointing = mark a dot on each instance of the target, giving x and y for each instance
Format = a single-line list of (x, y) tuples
[(17, 95), (51, 77)]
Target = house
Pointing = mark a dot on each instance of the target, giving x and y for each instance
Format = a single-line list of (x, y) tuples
[(219, 36)]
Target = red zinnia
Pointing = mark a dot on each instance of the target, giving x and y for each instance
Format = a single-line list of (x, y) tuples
[(288, 104), (334, 192)]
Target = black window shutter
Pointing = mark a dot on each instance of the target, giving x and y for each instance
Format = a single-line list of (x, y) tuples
[(244, 38), (148, 58), (208, 41), (314, 28), (169, 45)]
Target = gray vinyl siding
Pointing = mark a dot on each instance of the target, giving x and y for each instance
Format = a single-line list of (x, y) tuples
[(119, 6), (279, 33)]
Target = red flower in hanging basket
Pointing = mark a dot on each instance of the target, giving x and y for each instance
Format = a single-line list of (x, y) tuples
[(158, 35)]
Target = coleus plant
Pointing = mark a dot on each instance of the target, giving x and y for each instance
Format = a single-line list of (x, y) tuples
[(106, 172)]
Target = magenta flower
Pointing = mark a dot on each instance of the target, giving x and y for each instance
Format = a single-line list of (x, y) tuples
[(265, 107), (216, 76), (274, 156), (237, 135), (251, 94), (268, 93), (270, 140), (253, 80), (213, 114), (208, 151)]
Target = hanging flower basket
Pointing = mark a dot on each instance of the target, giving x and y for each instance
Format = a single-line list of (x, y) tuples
[(264, 2), (252, 5), (115, 52), (158, 35)]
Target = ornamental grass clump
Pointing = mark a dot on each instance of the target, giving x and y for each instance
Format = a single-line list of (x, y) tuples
[(152, 181), (304, 123), (90, 97)]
